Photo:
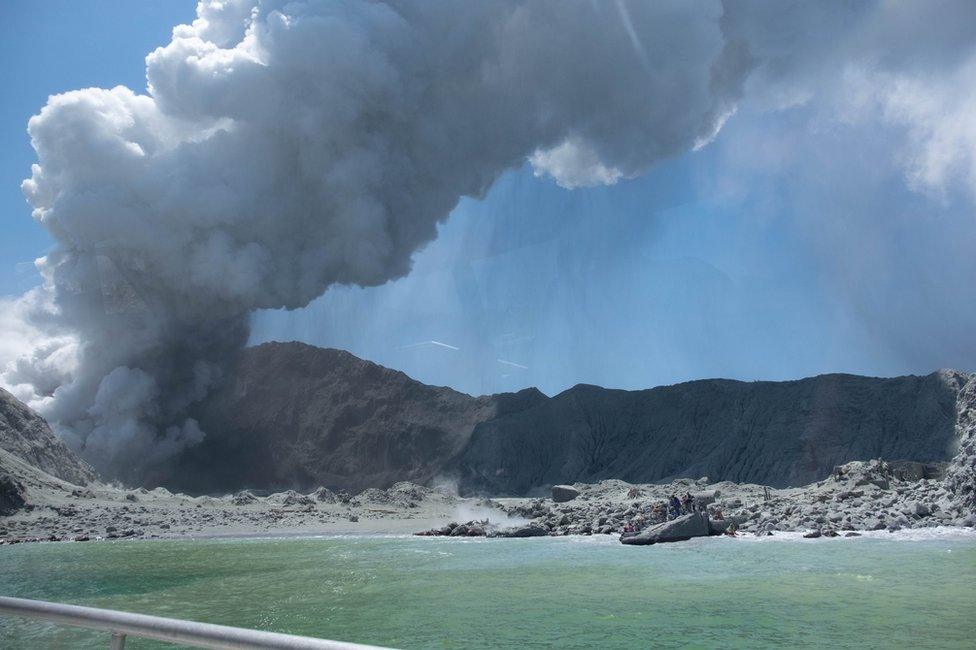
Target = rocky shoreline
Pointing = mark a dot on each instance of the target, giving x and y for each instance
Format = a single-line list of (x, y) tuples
[(858, 496), (47, 494)]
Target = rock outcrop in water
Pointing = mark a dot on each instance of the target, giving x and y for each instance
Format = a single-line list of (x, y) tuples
[(27, 436), (679, 529), (297, 416)]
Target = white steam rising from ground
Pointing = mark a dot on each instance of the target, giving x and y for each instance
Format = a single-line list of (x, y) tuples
[(286, 146)]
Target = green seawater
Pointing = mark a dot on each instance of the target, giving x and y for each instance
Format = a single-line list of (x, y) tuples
[(880, 592)]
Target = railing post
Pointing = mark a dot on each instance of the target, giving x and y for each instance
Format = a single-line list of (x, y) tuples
[(117, 642)]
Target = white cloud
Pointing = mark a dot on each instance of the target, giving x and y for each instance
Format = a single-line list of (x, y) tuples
[(574, 164), (34, 361), (939, 113)]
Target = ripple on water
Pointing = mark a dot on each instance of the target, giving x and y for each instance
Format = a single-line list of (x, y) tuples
[(907, 589)]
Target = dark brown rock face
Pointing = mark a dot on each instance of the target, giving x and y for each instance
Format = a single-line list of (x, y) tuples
[(773, 433), (296, 416), (301, 416)]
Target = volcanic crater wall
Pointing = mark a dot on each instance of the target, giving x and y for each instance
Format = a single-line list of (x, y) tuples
[(301, 416), (773, 433)]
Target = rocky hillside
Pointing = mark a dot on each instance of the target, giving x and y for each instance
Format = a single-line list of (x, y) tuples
[(961, 475), (302, 416), (25, 435), (771, 433), (299, 416)]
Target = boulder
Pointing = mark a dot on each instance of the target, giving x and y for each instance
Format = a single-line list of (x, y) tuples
[(11, 495), (243, 498), (324, 495), (906, 470), (705, 497), (679, 529), (563, 493), (290, 498), (860, 473), (871, 523), (719, 526), (529, 530)]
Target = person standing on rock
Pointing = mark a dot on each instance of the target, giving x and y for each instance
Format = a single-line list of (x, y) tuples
[(674, 506)]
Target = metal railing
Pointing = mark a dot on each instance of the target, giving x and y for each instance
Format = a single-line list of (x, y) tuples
[(171, 630)]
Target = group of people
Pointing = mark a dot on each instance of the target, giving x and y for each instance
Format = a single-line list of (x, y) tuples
[(675, 507), (662, 511), (683, 506)]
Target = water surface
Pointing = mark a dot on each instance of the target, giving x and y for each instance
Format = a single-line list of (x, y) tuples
[(530, 593)]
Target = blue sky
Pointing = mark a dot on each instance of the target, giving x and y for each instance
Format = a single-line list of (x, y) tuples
[(670, 277), (792, 245), (47, 48)]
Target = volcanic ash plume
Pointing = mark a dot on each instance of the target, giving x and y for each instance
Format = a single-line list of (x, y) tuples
[(283, 147)]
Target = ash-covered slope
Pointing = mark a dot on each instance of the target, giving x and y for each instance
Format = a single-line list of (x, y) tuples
[(26, 435), (301, 416), (773, 433)]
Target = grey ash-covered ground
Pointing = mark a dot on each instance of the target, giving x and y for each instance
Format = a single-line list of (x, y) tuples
[(61, 511)]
